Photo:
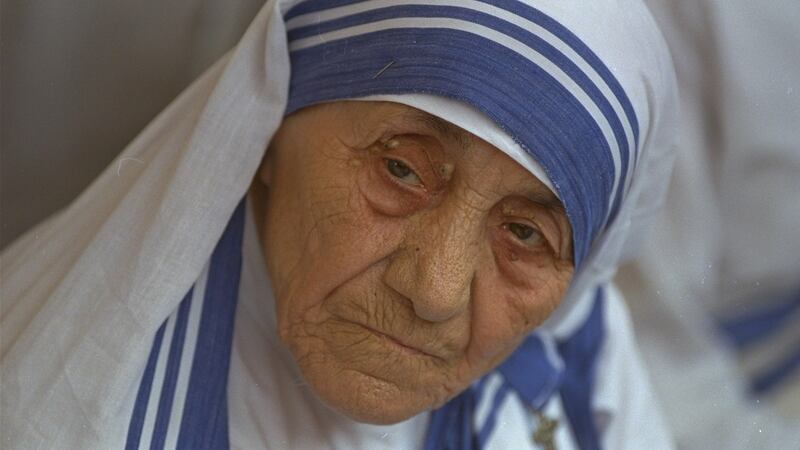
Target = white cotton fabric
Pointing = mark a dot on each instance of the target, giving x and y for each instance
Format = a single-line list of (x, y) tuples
[(84, 293)]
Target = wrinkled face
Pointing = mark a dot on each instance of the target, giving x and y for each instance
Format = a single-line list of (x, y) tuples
[(408, 257)]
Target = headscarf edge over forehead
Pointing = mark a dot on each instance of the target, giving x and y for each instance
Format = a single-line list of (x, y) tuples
[(123, 255)]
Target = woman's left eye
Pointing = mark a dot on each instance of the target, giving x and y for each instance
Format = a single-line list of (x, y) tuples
[(400, 170), (524, 233)]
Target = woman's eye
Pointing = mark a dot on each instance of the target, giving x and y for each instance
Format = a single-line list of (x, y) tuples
[(527, 234), (402, 171)]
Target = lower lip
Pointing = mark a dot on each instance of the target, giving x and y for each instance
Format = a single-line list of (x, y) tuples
[(395, 343)]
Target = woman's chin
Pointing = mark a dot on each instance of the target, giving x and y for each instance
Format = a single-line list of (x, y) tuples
[(387, 414), (367, 399)]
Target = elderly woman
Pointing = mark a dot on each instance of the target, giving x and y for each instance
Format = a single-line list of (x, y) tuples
[(374, 224)]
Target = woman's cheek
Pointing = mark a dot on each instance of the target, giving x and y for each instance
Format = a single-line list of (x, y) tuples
[(531, 282), (497, 325), (504, 315)]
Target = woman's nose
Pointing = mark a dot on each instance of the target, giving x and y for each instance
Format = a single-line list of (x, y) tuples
[(436, 265)]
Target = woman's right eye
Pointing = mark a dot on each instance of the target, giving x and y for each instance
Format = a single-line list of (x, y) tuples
[(401, 171), (525, 234)]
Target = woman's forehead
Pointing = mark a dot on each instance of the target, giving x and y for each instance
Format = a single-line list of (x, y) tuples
[(361, 123), (530, 184)]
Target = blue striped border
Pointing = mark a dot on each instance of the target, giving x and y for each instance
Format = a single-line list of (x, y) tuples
[(568, 37)]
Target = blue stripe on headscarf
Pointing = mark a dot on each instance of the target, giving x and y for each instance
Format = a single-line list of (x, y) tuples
[(533, 107), (310, 6), (568, 37)]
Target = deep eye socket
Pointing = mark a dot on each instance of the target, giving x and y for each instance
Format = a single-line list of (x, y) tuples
[(400, 170), (527, 235)]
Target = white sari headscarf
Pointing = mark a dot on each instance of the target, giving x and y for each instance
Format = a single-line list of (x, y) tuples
[(581, 94)]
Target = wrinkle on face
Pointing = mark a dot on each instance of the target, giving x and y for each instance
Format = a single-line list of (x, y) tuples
[(394, 297)]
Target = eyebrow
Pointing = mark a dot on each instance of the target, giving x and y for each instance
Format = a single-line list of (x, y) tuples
[(442, 127), (543, 196)]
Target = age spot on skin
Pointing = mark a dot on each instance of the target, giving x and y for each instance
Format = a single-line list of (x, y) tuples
[(391, 143), (446, 171)]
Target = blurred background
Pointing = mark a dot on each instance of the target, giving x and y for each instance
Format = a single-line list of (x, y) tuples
[(79, 80), (715, 292)]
